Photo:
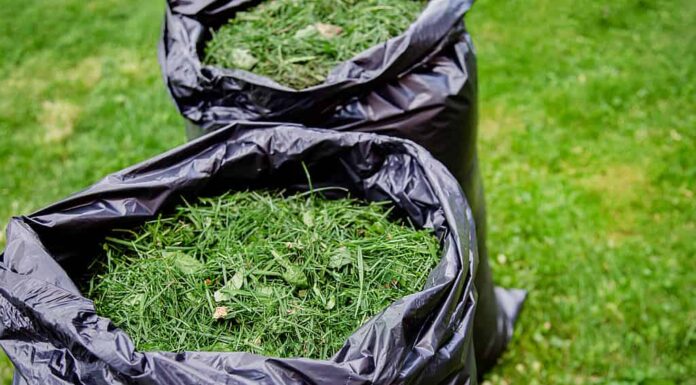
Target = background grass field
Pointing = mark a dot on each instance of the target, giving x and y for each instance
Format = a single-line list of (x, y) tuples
[(588, 146)]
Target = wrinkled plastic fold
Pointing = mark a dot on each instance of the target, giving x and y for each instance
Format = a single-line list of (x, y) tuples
[(53, 335)]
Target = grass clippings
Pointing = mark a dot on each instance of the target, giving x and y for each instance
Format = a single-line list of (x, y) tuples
[(297, 43), (261, 273)]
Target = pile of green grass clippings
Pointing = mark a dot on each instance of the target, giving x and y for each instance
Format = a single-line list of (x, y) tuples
[(259, 272), (297, 42)]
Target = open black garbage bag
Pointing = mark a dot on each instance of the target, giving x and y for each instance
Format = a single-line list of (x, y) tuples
[(53, 336), (420, 85)]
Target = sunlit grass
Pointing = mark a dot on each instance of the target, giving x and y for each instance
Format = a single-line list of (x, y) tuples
[(587, 142)]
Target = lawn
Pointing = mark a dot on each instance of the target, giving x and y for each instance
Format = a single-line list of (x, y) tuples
[(587, 138)]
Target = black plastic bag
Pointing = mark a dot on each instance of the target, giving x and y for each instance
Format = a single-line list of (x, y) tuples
[(53, 336), (420, 85)]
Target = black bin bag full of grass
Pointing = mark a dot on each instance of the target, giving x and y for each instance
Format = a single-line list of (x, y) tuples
[(420, 85), (53, 335)]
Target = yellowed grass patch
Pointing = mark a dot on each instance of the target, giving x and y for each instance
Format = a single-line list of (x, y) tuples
[(58, 118)]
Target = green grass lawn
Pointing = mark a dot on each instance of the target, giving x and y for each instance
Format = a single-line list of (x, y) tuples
[(588, 143)]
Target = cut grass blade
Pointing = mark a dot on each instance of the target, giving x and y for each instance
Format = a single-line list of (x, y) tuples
[(297, 43), (259, 272)]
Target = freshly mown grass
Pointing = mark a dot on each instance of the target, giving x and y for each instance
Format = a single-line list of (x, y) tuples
[(586, 145), (298, 42), (258, 272)]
